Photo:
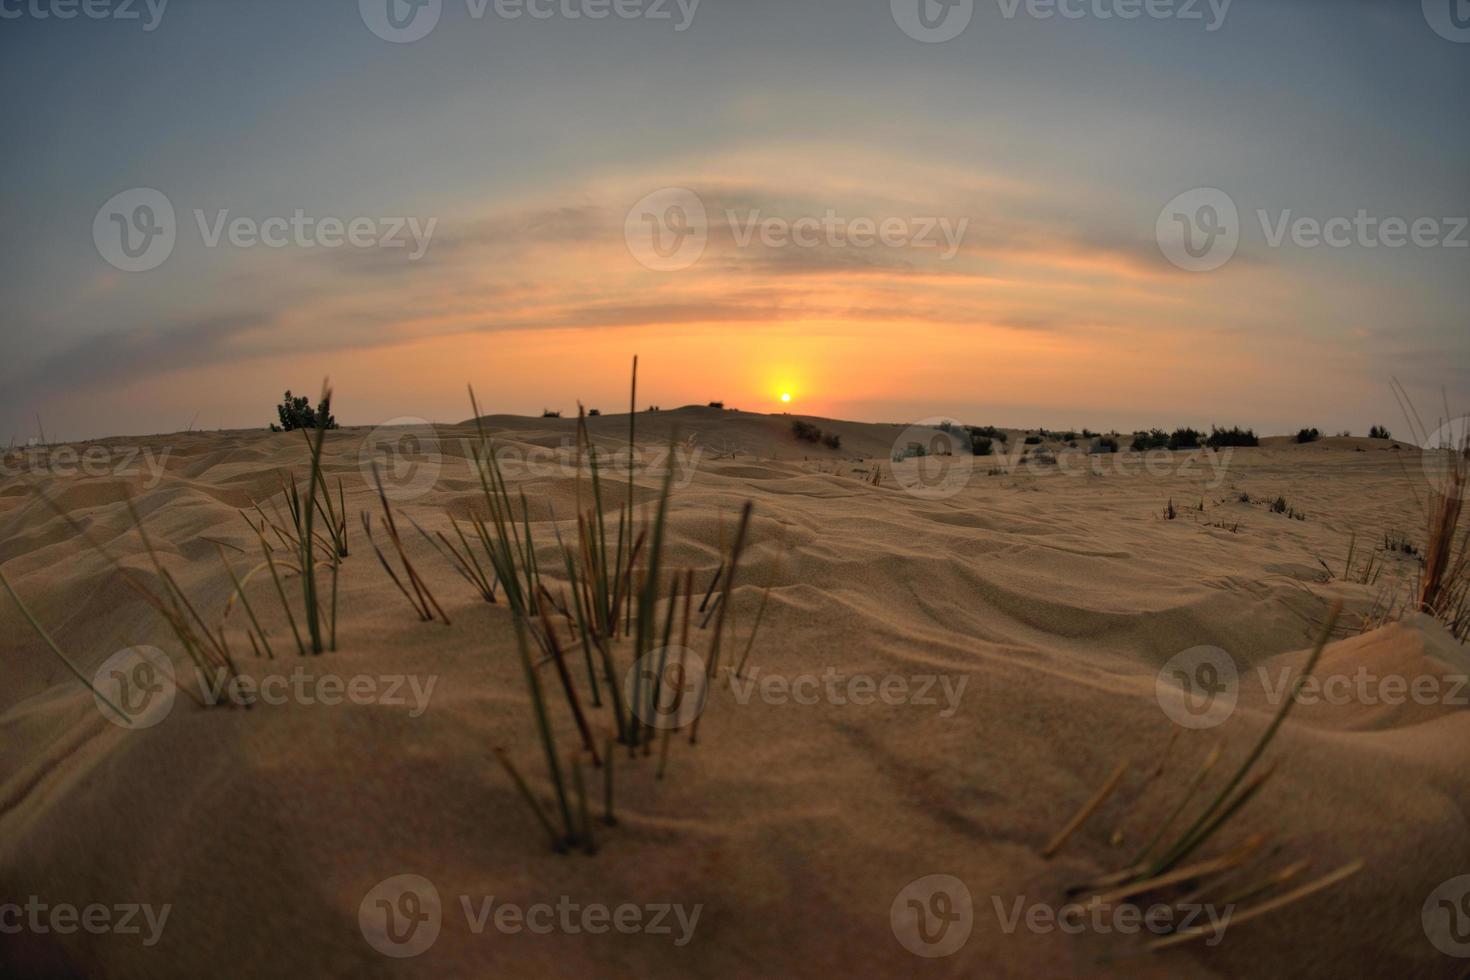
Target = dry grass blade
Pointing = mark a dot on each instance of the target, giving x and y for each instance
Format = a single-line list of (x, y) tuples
[(1206, 931), (41, 632), (1088, 809)]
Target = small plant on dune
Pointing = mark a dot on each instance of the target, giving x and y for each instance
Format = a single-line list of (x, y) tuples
[(1233, 436), (619, 601), (1033, 440), (593, 413), (1169, 512), (981, 445), (1167, 867), (1308, 435), (547, 413), (297, 413), (832, 441), (989, 432), (1379, 432), (720, 405), (1106, 444)]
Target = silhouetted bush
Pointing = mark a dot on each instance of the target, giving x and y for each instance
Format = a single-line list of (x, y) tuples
[(1152, 439), (1233, 436), (1033, 440), (1107, 444), (297, 413), (805, 431), (547, 413), (593, 412), (981, 446), (1379, 432), (716, 404), (1184, 439), (1308, 435), (832, 441)]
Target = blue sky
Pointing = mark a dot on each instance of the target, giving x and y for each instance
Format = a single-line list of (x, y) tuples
[(526, 141)]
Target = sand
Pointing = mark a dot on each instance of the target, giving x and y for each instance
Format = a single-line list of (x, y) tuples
[(1035, 607)]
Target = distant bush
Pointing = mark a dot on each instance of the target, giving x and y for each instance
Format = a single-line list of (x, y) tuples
[(981, 445), (1033, 440), (832, 441), (547, 413), (989, 432), (1152, 439), (1233, 436), (297, 413), (1378, 432), (805, 431), (1088, 433), (1308, 435), (1184, 439), (1107, 444), (716, 404), (593, 412)]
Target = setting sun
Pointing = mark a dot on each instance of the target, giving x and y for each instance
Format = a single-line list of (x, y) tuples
[(786, 396)]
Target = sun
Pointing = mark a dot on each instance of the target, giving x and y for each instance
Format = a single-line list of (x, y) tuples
[(786, 396)]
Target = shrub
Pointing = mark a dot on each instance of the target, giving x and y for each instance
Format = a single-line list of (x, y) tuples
[(297, 413), (593, 412), (1184, 439), (716, 404), (1152, 439), (1033, 440), (832, 441), (1378, 432), (547, 413), (805, 431), (1107, 444), (1233, 436), (1308, 435), (989, 432), (981, 446)]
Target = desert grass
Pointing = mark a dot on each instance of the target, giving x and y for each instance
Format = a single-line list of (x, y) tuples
[(1170, 860), (416, 591), (56, 651)]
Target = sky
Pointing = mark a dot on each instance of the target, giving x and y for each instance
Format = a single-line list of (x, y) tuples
[(1016, 212)]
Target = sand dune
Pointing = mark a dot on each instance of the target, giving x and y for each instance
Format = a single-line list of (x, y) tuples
[(1036, 606)]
